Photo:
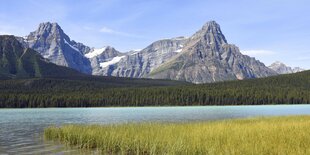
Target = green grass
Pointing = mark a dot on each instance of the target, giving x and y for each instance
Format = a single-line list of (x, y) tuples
[(275, 135)]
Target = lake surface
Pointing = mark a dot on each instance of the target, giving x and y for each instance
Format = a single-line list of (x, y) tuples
[(21, 130)]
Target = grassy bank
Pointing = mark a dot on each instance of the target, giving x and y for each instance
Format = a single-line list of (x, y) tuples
[(276, 135)]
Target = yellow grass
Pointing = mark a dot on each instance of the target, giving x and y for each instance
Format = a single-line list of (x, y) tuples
[(263, 136)]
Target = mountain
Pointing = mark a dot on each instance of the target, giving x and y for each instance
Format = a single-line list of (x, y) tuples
[(138, 64), (207, 57), (281, 68), (204, 57), (56, 46), (17, 61), (53, 44)]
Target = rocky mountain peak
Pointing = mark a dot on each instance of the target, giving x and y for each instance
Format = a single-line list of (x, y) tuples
[(210, 33), (109, 48), (53, 44), (45, 29), (281, 68), (212, 24), (48, 25)]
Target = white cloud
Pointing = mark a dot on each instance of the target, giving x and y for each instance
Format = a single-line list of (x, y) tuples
[(108, 30), (255, 53), (114, 32), (304, 58)]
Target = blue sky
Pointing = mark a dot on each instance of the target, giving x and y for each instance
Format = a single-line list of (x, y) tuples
[(269, 30)]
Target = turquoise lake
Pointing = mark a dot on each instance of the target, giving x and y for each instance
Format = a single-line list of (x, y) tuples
[(21, 130)]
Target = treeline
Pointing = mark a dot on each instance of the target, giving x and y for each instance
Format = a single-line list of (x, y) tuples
[(283, 89)]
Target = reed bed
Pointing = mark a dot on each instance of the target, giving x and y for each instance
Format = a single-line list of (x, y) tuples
[(267, 136)]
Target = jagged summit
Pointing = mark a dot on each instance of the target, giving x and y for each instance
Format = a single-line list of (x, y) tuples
[(53, 44), (49, 24), (47, 31), (47, 28), (211, 23), (210, 33)]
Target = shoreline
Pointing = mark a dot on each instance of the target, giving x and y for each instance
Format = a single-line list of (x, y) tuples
[(161, 106)]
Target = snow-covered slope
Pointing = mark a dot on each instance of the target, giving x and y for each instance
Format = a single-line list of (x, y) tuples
[(95, 52), (103, 57), (111, 62)]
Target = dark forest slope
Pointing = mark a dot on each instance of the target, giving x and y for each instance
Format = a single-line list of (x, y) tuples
[(282, 89)]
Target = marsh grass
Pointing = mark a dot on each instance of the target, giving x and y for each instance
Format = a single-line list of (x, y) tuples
[(275, 135)]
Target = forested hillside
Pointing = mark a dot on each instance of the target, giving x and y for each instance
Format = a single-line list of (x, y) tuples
[(88, 92)]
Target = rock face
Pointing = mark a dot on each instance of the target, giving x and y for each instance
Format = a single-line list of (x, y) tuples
[(138, 64), (207, 57), (18, 61), (281, 68), (53, 44)]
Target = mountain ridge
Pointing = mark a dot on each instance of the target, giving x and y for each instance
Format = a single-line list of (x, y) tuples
[(282, 68), (209, 58)]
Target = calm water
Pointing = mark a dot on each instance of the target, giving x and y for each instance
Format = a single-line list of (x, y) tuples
[(21, 129)]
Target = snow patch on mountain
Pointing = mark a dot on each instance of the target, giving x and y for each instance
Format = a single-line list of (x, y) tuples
[(179, 50), (95, 52), (111, 62)]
